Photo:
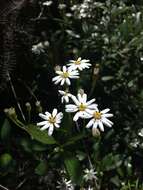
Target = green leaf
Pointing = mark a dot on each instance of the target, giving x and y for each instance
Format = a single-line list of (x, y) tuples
[(74, 169), (107, 78), (5, 160), (74, 139), (36, 146), (5, 130), (115, 180), (32, 145), (41, 136), (41, 169), (111, 162)]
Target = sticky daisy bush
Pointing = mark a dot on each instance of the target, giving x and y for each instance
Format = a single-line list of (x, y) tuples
[(67, 124)]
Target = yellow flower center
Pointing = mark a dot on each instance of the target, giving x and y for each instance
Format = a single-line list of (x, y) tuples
[(52, 119), (97, 115), (82, 107), (77, 62), (65, 75)]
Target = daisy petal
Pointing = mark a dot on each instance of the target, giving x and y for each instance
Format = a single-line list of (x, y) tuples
[(54, 113), (105, 121), (51, 129), (57, 126), (76, 117), (42, 123), (45, 127), (43, 116), (101, 126), (90, 123), (105, 110)]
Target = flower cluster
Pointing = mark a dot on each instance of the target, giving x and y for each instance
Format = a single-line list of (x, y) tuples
[(80, 105), (86, 9), (40, 47)]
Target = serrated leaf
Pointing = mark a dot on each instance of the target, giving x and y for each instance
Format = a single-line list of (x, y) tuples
[(74, 170)]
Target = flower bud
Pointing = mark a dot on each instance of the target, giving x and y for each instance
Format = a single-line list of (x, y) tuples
[(95, 132), (28, 106), (96, 69), (81, 91), (38, 106), (10, 112)]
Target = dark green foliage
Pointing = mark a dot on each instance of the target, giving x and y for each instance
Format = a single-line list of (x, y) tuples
[(112, 38)]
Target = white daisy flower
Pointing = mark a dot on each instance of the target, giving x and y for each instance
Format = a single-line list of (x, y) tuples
[(65, 184), (79, 64), (47, 3), (65, 75), (141, 133), (65, 96), (51, 121), (99, 118), (81, 106), (89, 174)]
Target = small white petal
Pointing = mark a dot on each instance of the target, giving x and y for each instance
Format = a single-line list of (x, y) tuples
[(91, 101), (59, 80), (43, 116), (51, 129), (62, 82), (95, 124), (101, 126), (107, 115), (75, 100), (79, 59), (110, 122), (86, 115), (62, 99), (74, 77), (76, 117), (105, 121), (55, 78), (105, 110), (59, 116), (61, 92), (59, 72), (47, 114), (79, 98), (42, 123), (57, 126), (54, 113), (66, 99), (44, 127), (64, 69), (71, 106), (90, 123), (84, 98), (93, 106), (68, 81)]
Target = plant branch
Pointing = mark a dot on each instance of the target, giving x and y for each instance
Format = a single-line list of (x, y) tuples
[(15, 96), (4, 188)]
